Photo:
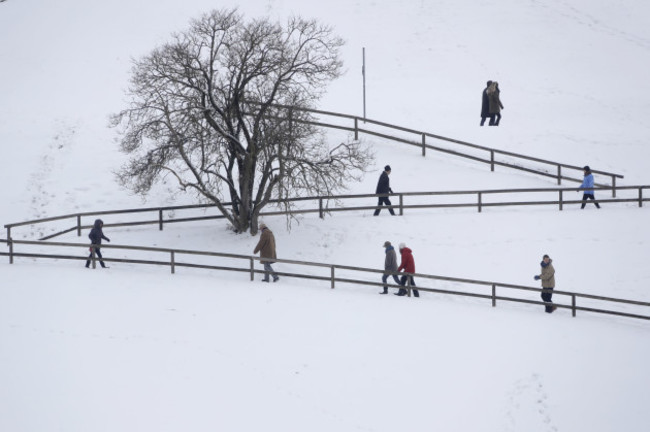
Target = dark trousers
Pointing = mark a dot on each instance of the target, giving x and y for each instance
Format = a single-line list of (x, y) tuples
[(402, 282), (99, 255), (385, 277), (587, 196), (546, 297), (384, 200), (495, 119)]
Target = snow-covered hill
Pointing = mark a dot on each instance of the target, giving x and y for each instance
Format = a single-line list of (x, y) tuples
[(135, 348)]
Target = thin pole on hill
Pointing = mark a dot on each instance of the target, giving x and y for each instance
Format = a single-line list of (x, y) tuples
[(363, 72)]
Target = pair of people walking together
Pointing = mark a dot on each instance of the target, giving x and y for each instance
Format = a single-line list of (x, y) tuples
[(491, 105), (390, 268)]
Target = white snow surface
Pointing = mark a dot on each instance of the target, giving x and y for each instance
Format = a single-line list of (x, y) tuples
[(136, 348)]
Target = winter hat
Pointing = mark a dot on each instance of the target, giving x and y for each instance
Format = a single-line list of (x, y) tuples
[(489, 83), (387, 168), (402, 246), (262, 225), (387, 243)]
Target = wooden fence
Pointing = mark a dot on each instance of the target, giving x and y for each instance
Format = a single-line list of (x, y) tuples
[(428, 141), (338, 275), (412, 201)]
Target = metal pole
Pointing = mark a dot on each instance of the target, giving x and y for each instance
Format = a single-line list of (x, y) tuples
[(363, 72)]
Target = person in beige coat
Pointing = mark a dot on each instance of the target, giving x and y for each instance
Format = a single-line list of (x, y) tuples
[(266, 248), (548, 282)]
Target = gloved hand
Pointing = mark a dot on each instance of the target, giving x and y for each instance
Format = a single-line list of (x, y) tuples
[(537, 277), (108, 240)]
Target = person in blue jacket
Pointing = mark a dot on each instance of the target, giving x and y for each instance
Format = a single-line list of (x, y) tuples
[(96, 235), (587, 188)]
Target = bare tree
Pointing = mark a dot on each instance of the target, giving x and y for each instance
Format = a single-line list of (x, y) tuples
[(205, 109)]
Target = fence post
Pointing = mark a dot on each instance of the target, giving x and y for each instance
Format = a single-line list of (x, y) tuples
[(160, 219), (11, 246), (173, 261), (480, 201), (640, 197), (320, 208), (401, 205), (332, 276), (491, 160), (424, 145), (561, 200), (356, 129), (78, 225), (408, 284), (559, 174), (92, 256), (252, 269), (613, 186), (494, 295), (573, 305), (10, 243)]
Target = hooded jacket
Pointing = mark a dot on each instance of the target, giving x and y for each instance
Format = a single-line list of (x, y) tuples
[(408, 263), (96, 234)]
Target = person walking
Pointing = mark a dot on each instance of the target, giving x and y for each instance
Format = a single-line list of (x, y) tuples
[(494, 102), (383, 187), (390, 266), (587, 187), (408, 265), (547, 276), (266, 248), (96, 235), (485, 105)]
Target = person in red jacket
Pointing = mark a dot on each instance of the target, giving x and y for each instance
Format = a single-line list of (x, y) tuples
[(408, 265)]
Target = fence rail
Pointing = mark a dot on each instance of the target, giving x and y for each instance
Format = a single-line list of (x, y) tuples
[(479, 199), (486, 155), (338, 275)]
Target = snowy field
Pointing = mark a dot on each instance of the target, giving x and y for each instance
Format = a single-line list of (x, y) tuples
[(135, 348)]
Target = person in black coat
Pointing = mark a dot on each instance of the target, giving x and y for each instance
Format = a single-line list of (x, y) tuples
[(485, 105), (96, 235), (383, 187)]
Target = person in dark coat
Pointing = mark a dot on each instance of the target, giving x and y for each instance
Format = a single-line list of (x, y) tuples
[(383, 187), (485, 105), (408, 265), (547, 276), (587, 188), (495, 105), (390, 266), (266, 248), (96, 235)]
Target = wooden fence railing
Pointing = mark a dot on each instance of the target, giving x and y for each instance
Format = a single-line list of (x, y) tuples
[(337, 275), (479, 199), (425, 140)]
